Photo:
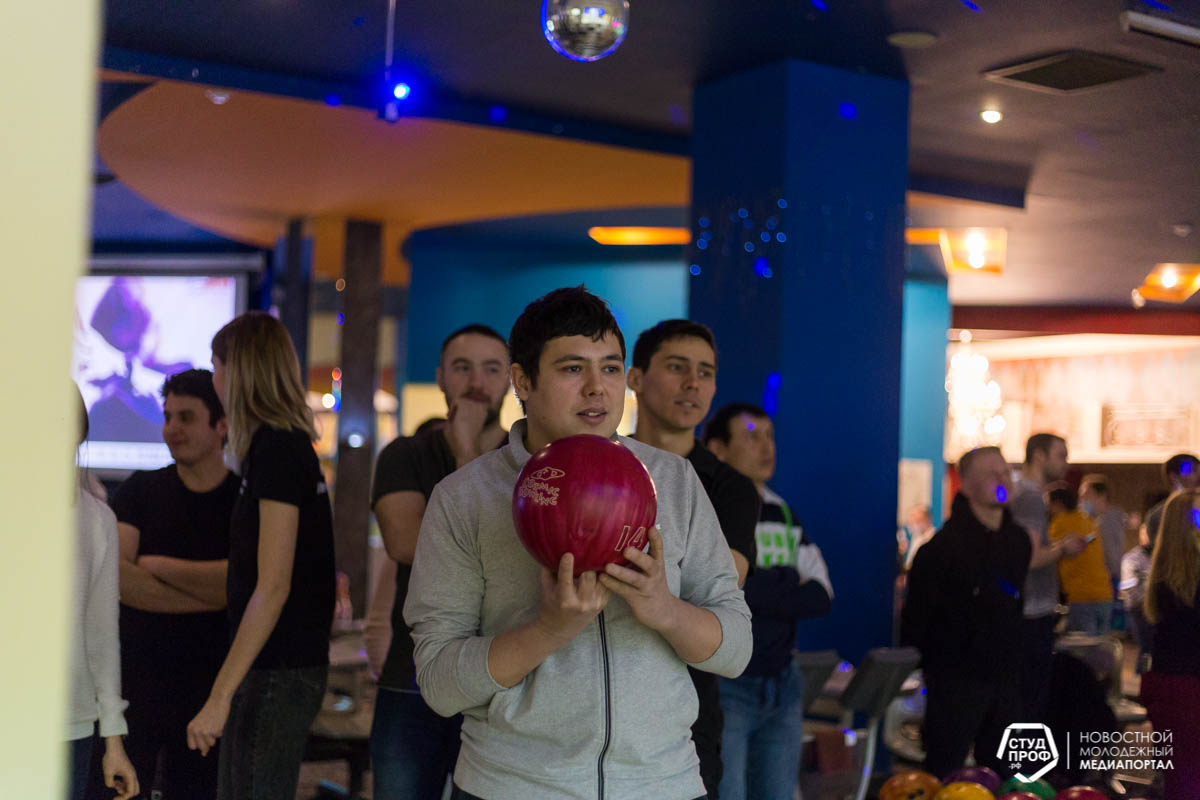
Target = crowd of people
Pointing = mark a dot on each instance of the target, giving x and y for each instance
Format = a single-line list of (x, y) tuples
[(512, 678), (983, 595), (670, 677)]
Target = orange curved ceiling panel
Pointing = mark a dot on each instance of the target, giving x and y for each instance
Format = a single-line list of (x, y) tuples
[(243, 168)]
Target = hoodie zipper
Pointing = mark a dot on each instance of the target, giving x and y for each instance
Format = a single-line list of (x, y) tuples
[(607, 710)]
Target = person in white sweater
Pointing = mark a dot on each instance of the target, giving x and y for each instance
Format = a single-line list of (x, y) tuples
[(95, 653)]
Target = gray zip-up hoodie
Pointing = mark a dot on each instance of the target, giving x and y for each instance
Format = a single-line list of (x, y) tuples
[(606, 717)]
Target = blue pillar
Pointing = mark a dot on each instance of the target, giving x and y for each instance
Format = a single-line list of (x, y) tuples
[(923, 380), (798, 195)]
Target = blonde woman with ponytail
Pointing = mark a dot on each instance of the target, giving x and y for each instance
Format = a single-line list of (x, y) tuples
[(281, 575), (1171, 689)]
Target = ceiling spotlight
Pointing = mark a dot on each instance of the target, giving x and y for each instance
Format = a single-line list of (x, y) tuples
[(991, 116), (911, 40), (217, 97), (1169, 278), (1182, 229), (401, 91), (1136, 298)]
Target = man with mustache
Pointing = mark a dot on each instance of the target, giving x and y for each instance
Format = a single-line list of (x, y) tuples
[(412, 748)]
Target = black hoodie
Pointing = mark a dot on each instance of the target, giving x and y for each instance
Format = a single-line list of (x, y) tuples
[(964, 605)]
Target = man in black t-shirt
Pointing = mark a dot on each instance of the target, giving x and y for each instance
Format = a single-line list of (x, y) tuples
[(173, 525), (412, 748), (674, 376)]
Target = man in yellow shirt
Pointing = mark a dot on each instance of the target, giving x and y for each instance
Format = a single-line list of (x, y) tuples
[(1084, 578)]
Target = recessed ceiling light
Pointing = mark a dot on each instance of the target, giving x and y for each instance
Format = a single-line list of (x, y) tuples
[(911, 40), (217, 96), (991, 116)]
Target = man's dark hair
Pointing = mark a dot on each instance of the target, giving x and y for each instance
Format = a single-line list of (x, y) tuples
[(1041, 443), (718, 426), (969, 457), (572, 311), (1175, 466), (1064, 497), (650, 340), (196, 383), (482, 330)]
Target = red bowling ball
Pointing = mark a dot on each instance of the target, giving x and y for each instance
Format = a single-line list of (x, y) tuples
[(1020, 796), (585, 495), (1081, 793)]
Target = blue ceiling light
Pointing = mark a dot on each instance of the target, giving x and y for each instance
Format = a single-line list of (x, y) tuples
[(819, 5), (847, 110), (762, 267), (401, 91), (971, 5), (694, 269), (498, 113), (333, 100)]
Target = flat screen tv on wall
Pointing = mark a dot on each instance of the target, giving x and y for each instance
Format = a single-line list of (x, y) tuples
[(131, 332)]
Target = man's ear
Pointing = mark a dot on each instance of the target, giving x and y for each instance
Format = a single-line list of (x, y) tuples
[(521, 382), (717, 448), (441, 383), (633, 379)]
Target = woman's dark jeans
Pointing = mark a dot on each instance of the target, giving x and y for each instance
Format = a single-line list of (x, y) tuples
[(266, 732)]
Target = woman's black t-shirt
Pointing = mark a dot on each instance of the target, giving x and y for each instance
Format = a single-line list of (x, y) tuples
[(282, 466)]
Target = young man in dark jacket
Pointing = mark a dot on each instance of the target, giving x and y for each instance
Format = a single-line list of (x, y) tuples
[(964, 613)]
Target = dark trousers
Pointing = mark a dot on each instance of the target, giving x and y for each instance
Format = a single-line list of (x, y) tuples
[(1174, 705), (80, 755), (264, 738), (1037, 666), (965, 710), (158, 719), (1143, 632), (413, 748)]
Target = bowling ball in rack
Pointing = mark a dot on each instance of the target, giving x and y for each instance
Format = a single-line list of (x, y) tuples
[(586, 495), (915, 785), (1039, 788), (982, 775), (1081, 793), (964, 790)]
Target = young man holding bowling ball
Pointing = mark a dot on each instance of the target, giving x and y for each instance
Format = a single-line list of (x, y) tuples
[(412, 748), (571, 688), (674, 375)]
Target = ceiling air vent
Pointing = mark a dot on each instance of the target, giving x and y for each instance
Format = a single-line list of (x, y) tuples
[(1068, 72)]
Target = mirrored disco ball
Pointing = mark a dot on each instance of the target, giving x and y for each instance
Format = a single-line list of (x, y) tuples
[(585, 30)]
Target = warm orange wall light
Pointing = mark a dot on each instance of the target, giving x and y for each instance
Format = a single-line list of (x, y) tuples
[(636, 235), (966, 249), (1171, 283)]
